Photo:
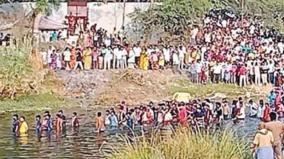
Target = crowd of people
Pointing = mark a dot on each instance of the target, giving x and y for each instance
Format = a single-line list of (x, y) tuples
[(225, 48), (43, 126), (196, 114)]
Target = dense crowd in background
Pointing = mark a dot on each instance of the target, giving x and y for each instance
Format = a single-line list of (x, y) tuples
[(225, 48)]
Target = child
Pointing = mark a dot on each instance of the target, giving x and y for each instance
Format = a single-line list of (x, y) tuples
[(23, 127), (75, 121)]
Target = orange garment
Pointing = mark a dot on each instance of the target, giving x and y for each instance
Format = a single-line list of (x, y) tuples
[(73, 58)]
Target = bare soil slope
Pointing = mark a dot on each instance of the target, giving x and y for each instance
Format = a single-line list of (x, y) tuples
[(100, 87)]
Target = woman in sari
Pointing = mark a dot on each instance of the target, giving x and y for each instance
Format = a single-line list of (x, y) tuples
[(72, 58), (144, 61), (87, 58)]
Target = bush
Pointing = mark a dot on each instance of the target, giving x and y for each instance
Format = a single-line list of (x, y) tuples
[(184, 144)]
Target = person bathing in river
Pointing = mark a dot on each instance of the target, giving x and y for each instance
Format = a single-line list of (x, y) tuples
[(226, 109), (58, 123), (253, 108), (182, 115), (113, 121), (62, 116), (47, 123), (23, 127), (75, 121), (107, 120), (263, 143), (100, 124), (241, 112), (265, 113), (38, 124), (15, 124)]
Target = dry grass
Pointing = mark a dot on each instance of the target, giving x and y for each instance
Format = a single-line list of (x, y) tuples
[(185, 144)]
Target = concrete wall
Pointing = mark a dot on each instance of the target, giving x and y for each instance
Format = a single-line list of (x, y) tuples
[(106, 16)]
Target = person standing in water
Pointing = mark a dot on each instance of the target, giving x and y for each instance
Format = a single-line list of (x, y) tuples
[(38, 124), (100, 127), (15, 124), (75, 121), (23, 127)]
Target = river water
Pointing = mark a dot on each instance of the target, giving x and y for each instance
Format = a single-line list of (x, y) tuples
[(83, 144)]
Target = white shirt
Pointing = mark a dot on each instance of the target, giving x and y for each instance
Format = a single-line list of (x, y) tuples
[(242, 113), (108, 54), (168, 116), (67, 55), (198, 67), (137, 51), (270, 68), (182, 52), (259, 112), (166, 53), (107, 42), (224, 23), (115, 52), (194, 33), (207, 37), (175, 59), (217, 69), (44, 57), (131, 58), (49, 52), (280, 46), (119, 54)]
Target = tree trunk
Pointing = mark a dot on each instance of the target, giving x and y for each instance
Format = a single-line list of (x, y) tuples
[(33, 26), (123, 16)]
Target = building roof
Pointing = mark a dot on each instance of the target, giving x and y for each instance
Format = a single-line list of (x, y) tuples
[(48, 24)]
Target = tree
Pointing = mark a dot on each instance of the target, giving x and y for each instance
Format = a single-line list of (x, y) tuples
[(43, 7), (171, 16), (174, 17)]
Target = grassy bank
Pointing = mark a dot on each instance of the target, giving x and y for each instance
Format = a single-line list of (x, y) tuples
[(186, 145), (217, 90), (34, 103)]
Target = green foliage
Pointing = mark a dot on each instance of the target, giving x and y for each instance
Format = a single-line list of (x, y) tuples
[(172, 16), (46, 6), (14, 67), (38, 102), (185, 144)]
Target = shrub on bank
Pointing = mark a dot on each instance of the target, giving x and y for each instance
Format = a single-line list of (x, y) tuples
[(184, 144)]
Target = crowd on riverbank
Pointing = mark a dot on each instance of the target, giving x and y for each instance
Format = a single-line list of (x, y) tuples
[(224, 48)]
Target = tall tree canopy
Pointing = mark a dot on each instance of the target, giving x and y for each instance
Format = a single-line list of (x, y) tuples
[(172, 16)]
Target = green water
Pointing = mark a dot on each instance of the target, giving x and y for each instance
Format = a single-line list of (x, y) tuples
[(83, 144)]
